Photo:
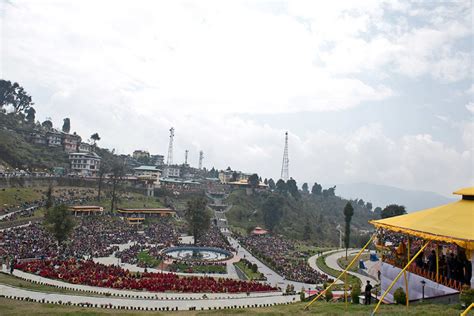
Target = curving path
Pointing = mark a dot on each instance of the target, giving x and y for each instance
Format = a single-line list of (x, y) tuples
[(314, 266), (331, 261)]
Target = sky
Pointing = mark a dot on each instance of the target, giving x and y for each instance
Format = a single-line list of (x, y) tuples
[(369, 91)]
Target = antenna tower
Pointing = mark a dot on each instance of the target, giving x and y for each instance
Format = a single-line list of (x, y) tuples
[(169, 160), (186, 157), (285, 175), (201, 157)]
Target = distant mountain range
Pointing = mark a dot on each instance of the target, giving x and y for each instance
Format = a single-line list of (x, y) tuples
[(383, 195)]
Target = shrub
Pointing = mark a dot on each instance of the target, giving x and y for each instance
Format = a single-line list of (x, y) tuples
[(466, 296), (254, 268), (328, 295), (399, 296), (355, 293)]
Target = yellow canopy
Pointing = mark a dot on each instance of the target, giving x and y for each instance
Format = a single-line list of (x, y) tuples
[(451, 223)]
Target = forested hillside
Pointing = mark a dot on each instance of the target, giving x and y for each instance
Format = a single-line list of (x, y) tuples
[(312, 217)]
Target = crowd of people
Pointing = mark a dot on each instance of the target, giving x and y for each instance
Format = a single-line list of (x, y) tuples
[(87, 272), (214, 238), (282, 256), (453, 263)]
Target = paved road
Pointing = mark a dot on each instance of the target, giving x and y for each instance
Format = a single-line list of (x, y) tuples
[(331, 261), (314, 266), (151, 303)]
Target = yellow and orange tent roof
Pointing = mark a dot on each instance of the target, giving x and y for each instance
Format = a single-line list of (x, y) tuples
[(451, 223)]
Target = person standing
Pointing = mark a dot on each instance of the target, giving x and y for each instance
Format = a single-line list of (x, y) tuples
[(368, 293)]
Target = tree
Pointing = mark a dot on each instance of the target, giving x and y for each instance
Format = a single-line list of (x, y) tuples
[(368, 206), (265, 181), (253, 181), (15, 96), (361, 202), (316, 189), (272, 211), (293, 188), (66, 125), (49, 198), (393, 210), (30, 115), (95, 138), (271, 184), (117, 169), (329, 192), (235, 175), (281, 186), (305, 188), (198, 217), (47, 124), (378, 210), (307, 231), (348, 212), (59, 222)]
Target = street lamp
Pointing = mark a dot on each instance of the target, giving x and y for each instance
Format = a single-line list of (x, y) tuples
[(340, 235)]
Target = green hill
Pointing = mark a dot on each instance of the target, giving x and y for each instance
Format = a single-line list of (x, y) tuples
[(309, 217)]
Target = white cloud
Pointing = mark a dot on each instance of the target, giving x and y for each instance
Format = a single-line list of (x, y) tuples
[(470, 107), (131, 70)]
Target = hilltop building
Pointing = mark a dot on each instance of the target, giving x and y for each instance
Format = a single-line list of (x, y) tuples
[(85, 163), (140, 154), (171, 172), (71, 142), (54, 138)]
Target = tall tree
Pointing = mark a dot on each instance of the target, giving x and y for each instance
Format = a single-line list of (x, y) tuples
[(305, 188), (293, 188), (198, 217), (95, 138), (281, 186), (368, 206), (272, 211), (234, 177), (118, 170), (253, 181), (58, 220), (47, 124), (348, 213), (393, 210), (49, 198), (271, 184), (330, 192), (66, 125), (30, 115), (15, 96), (316, 189), (307, 231)]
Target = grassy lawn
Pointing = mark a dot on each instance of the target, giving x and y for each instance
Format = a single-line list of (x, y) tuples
[(139, 201), (23, 220), (150, 261), (20, 308), (15, 196), (247, 271), (20, 283), (343, 263)]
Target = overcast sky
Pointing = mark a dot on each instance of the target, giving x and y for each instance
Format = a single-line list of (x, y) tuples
[(369, 91)]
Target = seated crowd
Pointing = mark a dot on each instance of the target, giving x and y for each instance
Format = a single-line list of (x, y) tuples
[(452, 261), (280, 255), (94, 274)]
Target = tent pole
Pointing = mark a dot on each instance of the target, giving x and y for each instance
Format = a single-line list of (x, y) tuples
[(340, 275), (437, 263), (398, 276), (405, 273)]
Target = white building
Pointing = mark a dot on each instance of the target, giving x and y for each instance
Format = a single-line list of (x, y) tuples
[(171, 172), (84, 164), (147, 171), (54, 138), (85, 147)]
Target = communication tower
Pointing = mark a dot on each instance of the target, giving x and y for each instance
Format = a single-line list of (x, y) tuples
[(201, 157), (169, 160), (285, 174)]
